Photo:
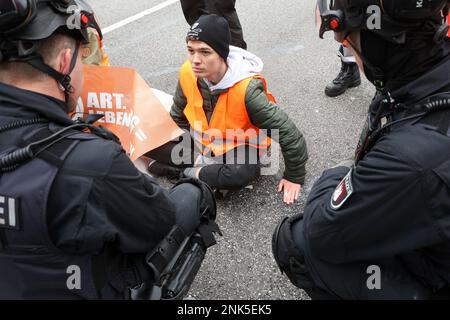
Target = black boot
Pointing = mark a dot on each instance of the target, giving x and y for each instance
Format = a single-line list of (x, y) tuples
[(348, 77), (160, 169)]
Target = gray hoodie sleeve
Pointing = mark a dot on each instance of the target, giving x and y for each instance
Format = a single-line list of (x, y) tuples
[(266, 115)]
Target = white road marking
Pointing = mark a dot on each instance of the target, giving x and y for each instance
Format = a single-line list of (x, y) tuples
[(138, 16)]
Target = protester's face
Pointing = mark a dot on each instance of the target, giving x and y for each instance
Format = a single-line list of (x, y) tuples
[(206, 63)]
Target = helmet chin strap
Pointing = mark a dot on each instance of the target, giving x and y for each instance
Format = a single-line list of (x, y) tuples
[(63, 80), (378, 74)]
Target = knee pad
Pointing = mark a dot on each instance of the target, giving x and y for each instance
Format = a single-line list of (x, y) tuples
[(283, 246), (276, 243), (289, 257)]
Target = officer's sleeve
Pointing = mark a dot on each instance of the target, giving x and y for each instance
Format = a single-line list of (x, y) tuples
[(380, 209), (100, 198), (139, 212)]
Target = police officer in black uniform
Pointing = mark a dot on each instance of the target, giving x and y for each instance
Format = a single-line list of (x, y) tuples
[(380, 228), (77, 218)]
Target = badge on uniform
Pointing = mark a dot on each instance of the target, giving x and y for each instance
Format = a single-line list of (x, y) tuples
[(342, 192), (9, 212)]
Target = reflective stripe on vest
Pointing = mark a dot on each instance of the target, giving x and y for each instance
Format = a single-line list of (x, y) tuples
[(230, 125)]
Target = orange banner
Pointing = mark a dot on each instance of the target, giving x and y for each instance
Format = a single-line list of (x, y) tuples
[(130, 108)]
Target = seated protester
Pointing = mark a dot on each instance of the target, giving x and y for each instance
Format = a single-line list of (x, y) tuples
[(77, 219), (220, 93)]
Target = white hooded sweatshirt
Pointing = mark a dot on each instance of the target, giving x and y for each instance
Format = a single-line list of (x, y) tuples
[(241, 65)]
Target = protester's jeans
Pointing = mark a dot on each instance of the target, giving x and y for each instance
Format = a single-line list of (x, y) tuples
[(232, 171)]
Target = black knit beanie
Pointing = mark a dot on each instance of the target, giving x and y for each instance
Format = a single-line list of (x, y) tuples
[(214, 31)]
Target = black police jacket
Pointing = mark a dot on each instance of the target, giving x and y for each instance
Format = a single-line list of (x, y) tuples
[(98, 206), (395, 203)]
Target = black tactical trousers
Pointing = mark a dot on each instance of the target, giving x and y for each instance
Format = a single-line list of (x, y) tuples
[(187, 198), (324, 281), (193, 9)]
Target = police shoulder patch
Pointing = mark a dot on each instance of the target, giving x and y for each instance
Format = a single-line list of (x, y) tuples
[(9, 212), (342, 192)]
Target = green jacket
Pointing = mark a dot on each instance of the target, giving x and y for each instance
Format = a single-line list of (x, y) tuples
[(264, 115)]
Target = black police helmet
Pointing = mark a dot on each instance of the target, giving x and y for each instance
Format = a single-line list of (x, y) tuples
[(24, 23), (396, 16), (411, 24), (39, 19), (411, 10)]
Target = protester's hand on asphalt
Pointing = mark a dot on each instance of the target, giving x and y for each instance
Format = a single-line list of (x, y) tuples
[(291, 191)]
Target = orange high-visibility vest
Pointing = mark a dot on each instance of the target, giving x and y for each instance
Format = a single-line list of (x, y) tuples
[(230, 125)]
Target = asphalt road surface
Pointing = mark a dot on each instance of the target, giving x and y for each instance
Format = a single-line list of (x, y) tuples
[(298, 65)]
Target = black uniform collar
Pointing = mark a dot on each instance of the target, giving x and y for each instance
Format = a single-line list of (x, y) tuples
[(431, 83), (19, 103), (435, 81)]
